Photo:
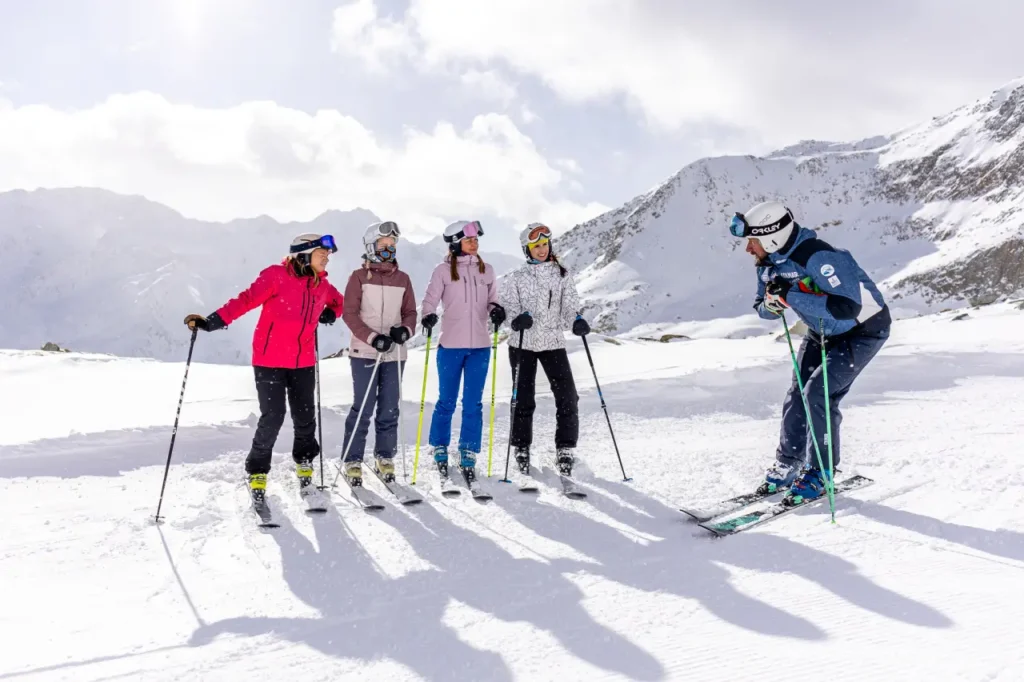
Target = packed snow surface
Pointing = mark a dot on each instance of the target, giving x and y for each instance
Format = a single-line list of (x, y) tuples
[(920, 578)]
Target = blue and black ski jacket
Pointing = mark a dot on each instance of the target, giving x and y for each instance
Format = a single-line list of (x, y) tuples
[(829, 291)]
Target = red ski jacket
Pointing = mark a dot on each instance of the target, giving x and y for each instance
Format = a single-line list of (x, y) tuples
[(291, 311)]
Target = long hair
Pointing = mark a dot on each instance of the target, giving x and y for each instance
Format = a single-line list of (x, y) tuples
[(302, 269), (455, 269), (561, 268)]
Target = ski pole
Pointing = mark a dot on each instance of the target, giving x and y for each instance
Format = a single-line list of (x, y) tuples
[(359, 416), (401, 427), (319, 417), (803, 397), (494, 382), (830, 484), (512, 412), (423, 399), (174, 431), (604, 407)]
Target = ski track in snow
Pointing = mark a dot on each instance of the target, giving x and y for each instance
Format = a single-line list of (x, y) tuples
[(620, 586)]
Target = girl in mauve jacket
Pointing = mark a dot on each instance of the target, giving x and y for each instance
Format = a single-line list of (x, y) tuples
[(381, 313), (466, 289), (295, 296)]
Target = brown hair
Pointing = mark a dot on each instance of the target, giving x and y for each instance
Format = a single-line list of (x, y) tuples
[(554, 258), (455, 269), (302, 269)]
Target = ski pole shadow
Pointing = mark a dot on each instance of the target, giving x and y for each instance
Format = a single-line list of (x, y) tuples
[(1005, 543), (659, 566), (486, 577), (757, 551), (357, 619)]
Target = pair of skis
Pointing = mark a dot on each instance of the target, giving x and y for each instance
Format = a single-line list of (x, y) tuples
[(756, 509), (528, 484), (311, 496)]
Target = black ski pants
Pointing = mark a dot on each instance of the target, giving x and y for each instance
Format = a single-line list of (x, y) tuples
[(273, 386), (559, 372)]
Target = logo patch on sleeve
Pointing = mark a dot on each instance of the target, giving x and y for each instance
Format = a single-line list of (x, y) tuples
[(827, 270)]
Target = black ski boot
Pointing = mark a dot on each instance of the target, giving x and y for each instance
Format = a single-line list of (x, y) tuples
[(523, 459), (564, 460)]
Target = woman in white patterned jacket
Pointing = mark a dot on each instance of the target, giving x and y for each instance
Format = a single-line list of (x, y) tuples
[(541, 300)]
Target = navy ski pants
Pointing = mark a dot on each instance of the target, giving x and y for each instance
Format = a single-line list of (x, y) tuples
[(847, 357), (384, 397)]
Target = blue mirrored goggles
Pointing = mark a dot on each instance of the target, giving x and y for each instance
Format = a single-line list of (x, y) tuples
[(325, 242), (738, 227)]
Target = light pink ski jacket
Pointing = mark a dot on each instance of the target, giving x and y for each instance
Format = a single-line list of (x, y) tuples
[(465, 322)]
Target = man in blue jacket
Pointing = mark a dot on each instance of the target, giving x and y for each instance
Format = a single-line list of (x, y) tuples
[(841, 307)]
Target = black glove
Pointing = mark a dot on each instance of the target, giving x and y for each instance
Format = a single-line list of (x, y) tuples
[(399, 335), (497, 315), (207, 324), (580, 327), (775, 296), (429, 321), (328, 316), (522, 322), (382, 343)]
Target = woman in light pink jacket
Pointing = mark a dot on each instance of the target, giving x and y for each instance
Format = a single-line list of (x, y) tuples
[(466, 288)]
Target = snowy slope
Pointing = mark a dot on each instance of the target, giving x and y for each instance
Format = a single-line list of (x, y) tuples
[(617, 587), (100, 272), (932, 212)]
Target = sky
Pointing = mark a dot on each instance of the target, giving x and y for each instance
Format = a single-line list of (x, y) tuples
[(430, 111)]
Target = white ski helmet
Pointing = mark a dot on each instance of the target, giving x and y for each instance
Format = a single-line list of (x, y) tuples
[(532, 234), (459, 230), (308, 242), (375, 231), (769, 222)]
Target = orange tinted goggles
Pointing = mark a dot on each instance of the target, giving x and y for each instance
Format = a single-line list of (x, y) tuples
[(538, 233)]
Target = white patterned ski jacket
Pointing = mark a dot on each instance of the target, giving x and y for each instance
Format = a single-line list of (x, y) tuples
[(551, 299)]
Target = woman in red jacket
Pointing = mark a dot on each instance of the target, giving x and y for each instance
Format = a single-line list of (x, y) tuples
[(295, 295)]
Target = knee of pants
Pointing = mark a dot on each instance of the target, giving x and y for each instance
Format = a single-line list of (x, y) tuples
[(271, 421)]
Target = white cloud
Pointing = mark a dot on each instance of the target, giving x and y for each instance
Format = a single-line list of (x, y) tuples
[(376, 41), (489, 85), (261, 158), (527, 115), (777, 71)]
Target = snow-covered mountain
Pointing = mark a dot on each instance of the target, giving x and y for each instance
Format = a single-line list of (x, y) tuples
[(932, 212), (96, 271)]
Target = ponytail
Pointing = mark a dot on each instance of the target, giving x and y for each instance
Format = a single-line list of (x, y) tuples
[(552, 257)]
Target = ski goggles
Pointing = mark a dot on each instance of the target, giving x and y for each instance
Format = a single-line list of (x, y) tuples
[(538, 235), (469, 230), (325, 242), (739, 227), (389, 228)]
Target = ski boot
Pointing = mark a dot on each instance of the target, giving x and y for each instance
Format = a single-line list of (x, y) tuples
[(441, 460), (779, 477), (564, 460), (386, 468), (467, 463), (258, 490), (353, 472), (304, 472), (523, 459), (809, 486)]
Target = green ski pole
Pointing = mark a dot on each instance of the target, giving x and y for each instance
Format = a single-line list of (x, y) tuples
[(807, 407), (830, 484), (423, 400)]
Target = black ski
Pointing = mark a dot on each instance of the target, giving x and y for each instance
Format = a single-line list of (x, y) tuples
[(264, 517), (366, 498), (727, 506), (722, 526), (474, 487)]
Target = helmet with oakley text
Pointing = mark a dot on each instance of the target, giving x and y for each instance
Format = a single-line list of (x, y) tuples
[(769, 222)]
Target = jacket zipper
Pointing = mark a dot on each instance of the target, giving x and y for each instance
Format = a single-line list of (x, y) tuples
[(305, 314), (267, 341)]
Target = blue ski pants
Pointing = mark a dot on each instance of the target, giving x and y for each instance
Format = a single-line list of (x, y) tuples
[(847, 357), (452, 365)]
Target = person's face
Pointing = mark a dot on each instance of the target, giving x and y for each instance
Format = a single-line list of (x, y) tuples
[(755, 249), (318, 259), (540, 251), (470, 245)]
